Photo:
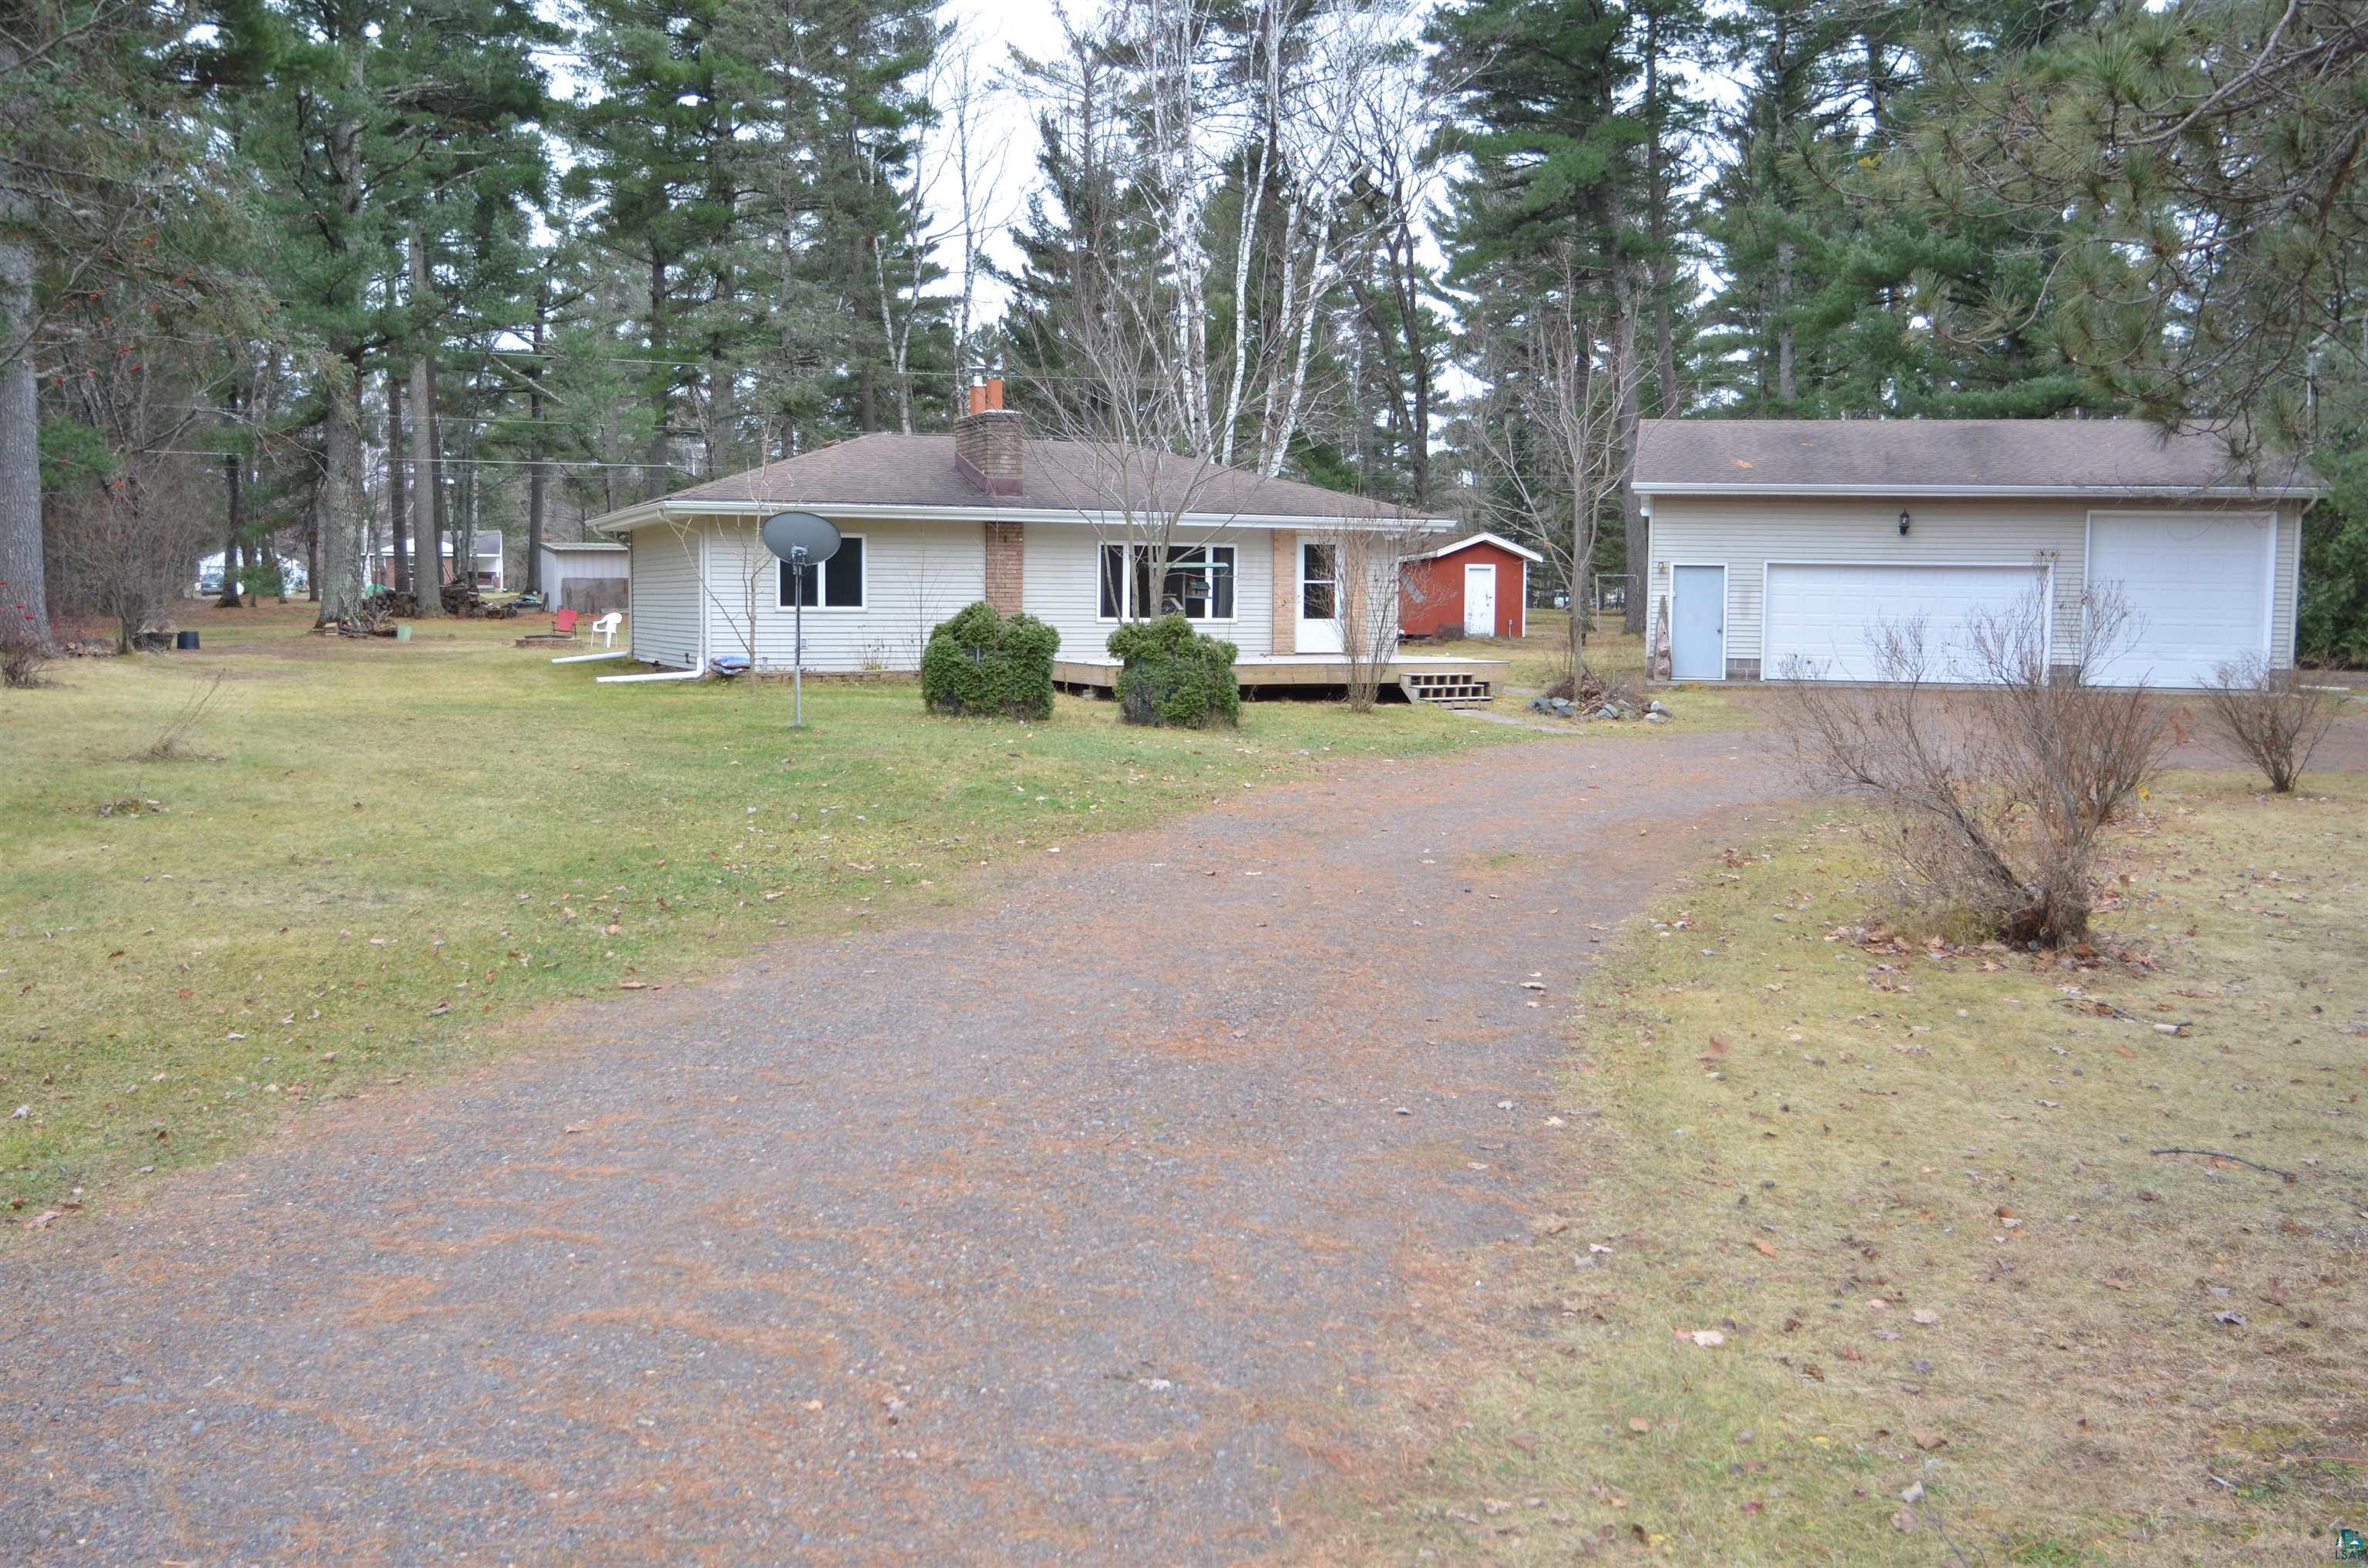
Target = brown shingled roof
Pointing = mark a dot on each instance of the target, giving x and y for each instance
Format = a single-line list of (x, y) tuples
[(918, 471), (2126, 455)]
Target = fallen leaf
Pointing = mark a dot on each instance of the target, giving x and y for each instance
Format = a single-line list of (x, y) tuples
[(1926, 1316), (1763, 1247), (1928, 1440), (1635, 1423), (1906, 1522), (44, 1220)]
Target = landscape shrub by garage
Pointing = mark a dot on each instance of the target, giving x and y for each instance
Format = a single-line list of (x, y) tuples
[(990, 665), (1173, 675)]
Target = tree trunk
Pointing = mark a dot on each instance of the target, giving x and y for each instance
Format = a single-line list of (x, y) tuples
[(1668, 400), (398, 490), (233, 519), (536, 479), (228, 598), (429, 437), (343, 509), (1785, 323), (22, 568), (1635, 546), (653, 477)]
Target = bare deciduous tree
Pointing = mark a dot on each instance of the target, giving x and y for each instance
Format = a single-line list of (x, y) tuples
[(1368, 557), (2268, 717), (1551, 428), (1997, 773)]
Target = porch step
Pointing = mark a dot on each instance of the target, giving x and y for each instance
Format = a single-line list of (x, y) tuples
[(1457, 688)]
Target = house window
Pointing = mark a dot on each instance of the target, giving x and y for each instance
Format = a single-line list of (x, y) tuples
[(842, 579), (1196, 583), (1319, 582), (1113, 575)]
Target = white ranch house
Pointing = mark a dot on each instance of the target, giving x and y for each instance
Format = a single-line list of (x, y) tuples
[(1782, 547), (933, 523)]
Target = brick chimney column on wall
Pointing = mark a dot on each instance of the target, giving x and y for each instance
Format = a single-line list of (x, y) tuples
[(1286, 591), (1005, 583), (987, 454)]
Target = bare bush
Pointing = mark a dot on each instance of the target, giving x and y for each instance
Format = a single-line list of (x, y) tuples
[(171, 744), (25, 651), (2265, 716), (1998, 773)]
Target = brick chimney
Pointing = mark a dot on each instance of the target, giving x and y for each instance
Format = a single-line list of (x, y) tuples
[(986, 440)]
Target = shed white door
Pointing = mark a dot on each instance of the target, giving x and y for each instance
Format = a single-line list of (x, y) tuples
[(1479, 600), (1824, 623), (2198, 588)]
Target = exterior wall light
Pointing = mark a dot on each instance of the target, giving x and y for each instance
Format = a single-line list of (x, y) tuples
[(1903, 524)]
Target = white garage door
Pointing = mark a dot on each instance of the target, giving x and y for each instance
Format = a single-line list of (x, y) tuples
[(1823, 621), (2198, 588)]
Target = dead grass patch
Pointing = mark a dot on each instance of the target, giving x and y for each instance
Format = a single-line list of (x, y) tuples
[(1859, 1272)]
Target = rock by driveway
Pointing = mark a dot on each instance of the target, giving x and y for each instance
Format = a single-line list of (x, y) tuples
[(1063, 1229)]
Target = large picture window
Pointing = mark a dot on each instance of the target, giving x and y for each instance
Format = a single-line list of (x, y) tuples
[(841, 578), (1196, 582)]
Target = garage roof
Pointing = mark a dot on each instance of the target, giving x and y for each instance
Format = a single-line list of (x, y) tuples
[(1950, 457)]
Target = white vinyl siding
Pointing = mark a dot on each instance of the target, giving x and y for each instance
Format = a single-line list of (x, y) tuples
[(1747, 532), (665, 595), (917, 575), (1059, 585)]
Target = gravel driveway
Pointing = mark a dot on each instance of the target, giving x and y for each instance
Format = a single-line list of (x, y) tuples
[(1063, 1230)]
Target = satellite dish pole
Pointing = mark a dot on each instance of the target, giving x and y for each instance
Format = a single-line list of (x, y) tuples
[(804, 542), (797, 569)]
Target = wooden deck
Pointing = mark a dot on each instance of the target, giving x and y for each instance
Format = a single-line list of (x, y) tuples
[(1453, 682)]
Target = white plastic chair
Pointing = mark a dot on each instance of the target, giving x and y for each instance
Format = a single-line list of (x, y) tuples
[(606, 627)]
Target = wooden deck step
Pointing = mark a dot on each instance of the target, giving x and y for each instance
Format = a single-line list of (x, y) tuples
[(1453, 688)]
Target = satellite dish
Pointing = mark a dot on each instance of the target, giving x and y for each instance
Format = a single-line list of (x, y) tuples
[(800, 536)]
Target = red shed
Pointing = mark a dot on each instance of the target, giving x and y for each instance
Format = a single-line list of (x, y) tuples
[(1478, 586)]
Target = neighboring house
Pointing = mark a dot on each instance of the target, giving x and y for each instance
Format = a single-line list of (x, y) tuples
[(1783, 547), (933, 523), (591, 578), (490, 576), (210, 574), (1478, 586)]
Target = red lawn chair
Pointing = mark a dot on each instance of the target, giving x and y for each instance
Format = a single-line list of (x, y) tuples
[(564, 624)]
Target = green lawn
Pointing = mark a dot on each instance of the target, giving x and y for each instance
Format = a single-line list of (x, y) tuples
[(1864, 1254), (395, 850)]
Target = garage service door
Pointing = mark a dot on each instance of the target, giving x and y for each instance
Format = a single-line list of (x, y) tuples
[(1823, 621), (2199, 588)]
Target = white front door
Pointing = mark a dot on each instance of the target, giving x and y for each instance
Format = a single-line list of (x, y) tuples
[(2198, 591), (1479, 601), (1697, 623), (1319, 598)]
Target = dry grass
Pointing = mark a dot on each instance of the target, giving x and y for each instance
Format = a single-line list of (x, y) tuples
[(1816, 1150), (405, 849)]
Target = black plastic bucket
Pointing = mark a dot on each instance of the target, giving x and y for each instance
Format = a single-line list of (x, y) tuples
[(186, 642)]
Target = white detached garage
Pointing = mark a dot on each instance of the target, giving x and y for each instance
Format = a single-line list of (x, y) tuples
[(1783, 549)]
